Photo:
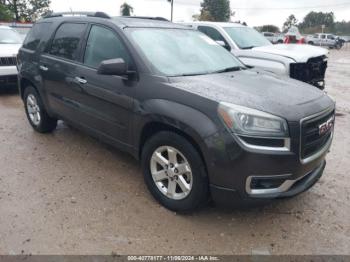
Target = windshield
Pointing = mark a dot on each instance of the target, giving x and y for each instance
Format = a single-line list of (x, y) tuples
[(177, 52), (9, 36), (246, 37)]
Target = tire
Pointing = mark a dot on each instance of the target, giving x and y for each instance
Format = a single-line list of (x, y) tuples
[(195, 177), (311, 43), (36, 112)]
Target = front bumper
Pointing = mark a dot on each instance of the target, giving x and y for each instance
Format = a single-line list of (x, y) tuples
[(232, 197), (242, 174), (8, 71), (8, 76), (8, 80)]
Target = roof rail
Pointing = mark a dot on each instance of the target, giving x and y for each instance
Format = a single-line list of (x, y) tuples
[(149, 17), (74, 13)]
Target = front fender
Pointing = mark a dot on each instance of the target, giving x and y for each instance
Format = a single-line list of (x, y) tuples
[(268, 62), (188, 120)]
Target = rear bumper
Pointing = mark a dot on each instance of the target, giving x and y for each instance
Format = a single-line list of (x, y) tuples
[(231, 197)]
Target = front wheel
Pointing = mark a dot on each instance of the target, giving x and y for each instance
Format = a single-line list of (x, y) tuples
[(36, 113), (174, 172)]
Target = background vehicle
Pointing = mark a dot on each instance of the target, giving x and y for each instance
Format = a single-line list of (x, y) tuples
[(301, 62), (327, 40), (196, 117), (10, 42), (274, 38), (269, 36)]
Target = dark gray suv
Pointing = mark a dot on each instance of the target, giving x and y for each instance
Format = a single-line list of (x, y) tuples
[(202, 123)]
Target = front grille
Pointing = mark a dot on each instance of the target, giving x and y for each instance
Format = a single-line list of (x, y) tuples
[(311, 72), (311, 139), (8, 61)]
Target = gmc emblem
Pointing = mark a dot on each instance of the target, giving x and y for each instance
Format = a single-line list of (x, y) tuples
[(326, 126)]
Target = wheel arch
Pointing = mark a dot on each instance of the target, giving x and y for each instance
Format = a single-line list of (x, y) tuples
[(23, 83), (183, 120)]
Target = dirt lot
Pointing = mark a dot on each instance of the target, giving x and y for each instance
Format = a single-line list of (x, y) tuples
[(66, 193)]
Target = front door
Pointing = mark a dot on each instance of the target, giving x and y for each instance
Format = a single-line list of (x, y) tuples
[(105, 102)]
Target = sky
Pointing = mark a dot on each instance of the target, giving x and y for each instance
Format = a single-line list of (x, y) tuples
[(253, 12)]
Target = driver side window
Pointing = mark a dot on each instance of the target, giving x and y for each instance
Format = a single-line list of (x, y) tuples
[(104, 44)]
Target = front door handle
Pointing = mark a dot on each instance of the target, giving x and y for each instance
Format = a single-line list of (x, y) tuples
[(81, 80), (44, 68)]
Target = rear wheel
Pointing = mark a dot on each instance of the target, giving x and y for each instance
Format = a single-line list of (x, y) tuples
[(174, 172), (311, 43), (36, 112)]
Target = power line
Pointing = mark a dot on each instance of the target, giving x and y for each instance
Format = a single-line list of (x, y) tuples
[(288, 8)]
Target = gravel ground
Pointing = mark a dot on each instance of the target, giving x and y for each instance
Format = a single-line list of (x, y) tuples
[(66, 193)]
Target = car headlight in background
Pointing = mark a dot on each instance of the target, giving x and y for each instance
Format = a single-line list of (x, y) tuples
[(251, 122)]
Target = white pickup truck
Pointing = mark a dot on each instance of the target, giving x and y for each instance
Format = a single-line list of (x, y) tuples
[(302, 62), (10, 42)]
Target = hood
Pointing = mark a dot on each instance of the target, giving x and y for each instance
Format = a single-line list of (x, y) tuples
[(8, 50), (281, 96), (300, 53)]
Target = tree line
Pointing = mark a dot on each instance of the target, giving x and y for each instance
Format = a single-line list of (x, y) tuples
[(311, 23)]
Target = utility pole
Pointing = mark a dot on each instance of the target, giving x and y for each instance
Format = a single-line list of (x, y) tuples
[(172, 9)]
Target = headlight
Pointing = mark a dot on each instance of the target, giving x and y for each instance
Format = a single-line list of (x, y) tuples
[(250, 122)]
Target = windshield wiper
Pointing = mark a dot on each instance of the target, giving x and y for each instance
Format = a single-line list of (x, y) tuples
[(229, 69), (248, 47), (191, 74)]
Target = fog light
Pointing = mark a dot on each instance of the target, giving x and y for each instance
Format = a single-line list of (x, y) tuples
[(266, 183)]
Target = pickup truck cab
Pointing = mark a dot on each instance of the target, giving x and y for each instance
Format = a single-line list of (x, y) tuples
[(301, 62)]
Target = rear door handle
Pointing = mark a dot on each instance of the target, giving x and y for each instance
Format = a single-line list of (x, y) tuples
[(44, 68), (81, 80)]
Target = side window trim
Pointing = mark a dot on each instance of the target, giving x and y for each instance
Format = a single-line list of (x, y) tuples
[(80, 45)]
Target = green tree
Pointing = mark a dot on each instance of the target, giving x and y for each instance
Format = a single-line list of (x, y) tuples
[(215, 10), (126, 9), (314, 19), (28, 10), (5, 13), (268, 28), (291, 21)]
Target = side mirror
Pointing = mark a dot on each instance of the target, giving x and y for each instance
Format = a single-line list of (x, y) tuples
[(223, 44), (116, 67)]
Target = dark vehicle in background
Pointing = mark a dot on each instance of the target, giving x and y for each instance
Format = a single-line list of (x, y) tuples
[(201, 123)]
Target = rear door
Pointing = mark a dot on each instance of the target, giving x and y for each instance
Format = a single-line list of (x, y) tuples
[(105, 102), (58, 66)]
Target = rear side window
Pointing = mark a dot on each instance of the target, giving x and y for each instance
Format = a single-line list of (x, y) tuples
[(103, 44), (66, 41), (35, 35)]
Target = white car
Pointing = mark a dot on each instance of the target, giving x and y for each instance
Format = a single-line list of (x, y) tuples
[(10, 42), (302, 62)]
